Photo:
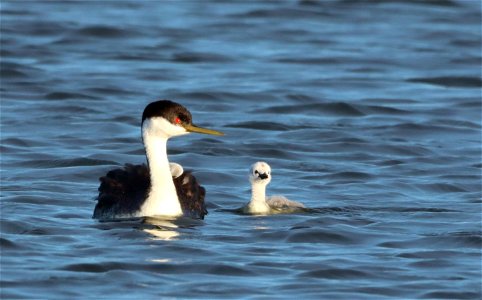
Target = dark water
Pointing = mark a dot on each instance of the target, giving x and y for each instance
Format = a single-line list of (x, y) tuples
[(368, 112)]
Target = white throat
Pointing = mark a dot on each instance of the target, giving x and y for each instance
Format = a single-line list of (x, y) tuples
[(258, 204), (162, 199)]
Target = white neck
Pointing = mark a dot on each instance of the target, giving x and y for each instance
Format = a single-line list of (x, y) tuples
[(162, 198), (258, 204), (258, 192)]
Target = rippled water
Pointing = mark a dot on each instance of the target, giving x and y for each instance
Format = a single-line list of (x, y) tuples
[(368, 112)]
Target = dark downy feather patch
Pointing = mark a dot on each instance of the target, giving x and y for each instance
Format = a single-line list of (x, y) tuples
[(191, 195), (123, 191)]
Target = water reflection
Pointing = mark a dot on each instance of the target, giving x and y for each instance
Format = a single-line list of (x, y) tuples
[(168, 228), (164, 229)]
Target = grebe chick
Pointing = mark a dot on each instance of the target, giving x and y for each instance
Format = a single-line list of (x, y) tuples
[(160, 188), (260, 177)]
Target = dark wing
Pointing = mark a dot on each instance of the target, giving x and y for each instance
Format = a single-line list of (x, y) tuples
[(191, 195), (122, 192)]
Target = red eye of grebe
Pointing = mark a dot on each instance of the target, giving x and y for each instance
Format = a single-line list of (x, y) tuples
[(177, 121)]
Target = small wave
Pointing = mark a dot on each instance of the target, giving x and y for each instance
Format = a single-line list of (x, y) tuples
[(448, 81), (141, 56), (470, 104), (282, 13), (16, 70), (454, 239), (393, 101), (301, 98), (271, 152), (65, 163), (216, 177), (36, 231), (467, 60), (208, 96), (69, 216), (447, 3), (18, 12), (320, 236), (111, 91), (373, 109), (11, 73), (421, 209), (18, 142), (422, 129), (442, 188), (470, 238), (104, 32), (225, 270), (260, 125), (131, 120), (45, 28), (167, 268), (197, 57), (337, 108), (7, 244), (428, 254), (336, 274), (432, 264), (5, 53), (13, 227), (349, 175), (451, 295), (457, 123), (348, 218), (391, 162), (67, 95), (310, 61), (466, 43), (92, 268)]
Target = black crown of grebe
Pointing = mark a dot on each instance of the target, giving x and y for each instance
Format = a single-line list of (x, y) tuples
[(260, 177), (160, 188)]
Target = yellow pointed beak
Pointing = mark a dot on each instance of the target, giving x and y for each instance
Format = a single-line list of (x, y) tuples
[(194, 128)]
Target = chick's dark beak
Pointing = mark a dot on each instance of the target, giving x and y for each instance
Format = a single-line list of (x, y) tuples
[(263, 175)]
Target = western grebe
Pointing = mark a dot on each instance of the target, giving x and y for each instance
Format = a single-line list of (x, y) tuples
[(160, 188), (260, 177)]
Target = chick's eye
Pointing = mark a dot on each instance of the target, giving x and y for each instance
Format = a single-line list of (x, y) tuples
[(256, 172)]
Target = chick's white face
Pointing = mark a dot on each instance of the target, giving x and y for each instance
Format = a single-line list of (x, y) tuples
[(260, 172)]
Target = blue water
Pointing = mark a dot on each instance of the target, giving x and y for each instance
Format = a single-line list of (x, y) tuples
[(368, 112)]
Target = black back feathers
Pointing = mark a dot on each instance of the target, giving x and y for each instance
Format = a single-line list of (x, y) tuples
[(123, 191)]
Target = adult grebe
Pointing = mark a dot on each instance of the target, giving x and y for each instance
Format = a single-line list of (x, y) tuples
[(161, 188), (260, 177)]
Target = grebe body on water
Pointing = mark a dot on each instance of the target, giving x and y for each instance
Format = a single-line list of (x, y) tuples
[(159, 188)]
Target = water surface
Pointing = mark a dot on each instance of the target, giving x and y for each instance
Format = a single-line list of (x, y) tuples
[(367, 111)]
